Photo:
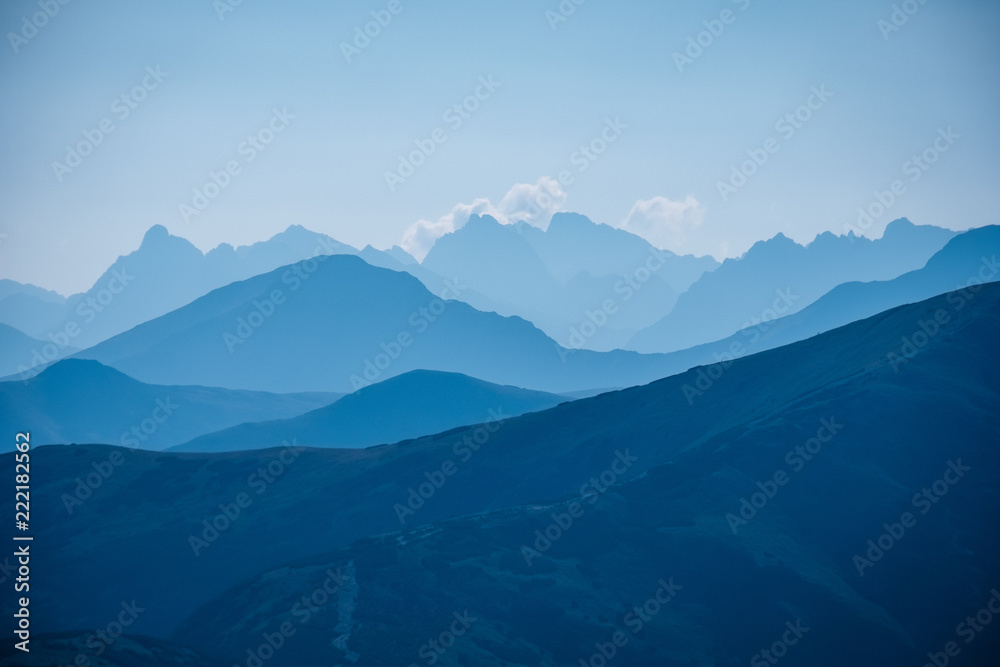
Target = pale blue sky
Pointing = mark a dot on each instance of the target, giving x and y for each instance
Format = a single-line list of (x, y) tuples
[(557, 87)]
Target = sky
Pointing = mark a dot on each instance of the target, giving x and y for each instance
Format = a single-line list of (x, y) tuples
[(228, 121)]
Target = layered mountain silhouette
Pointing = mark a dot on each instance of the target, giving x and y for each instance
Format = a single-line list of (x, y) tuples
[(76, 400), (562, 279), (17, 349), (164, 273), (30, 308), (782, 275), (339, 324), (964, 264), (554, 277), (406, 406), (640, 494)]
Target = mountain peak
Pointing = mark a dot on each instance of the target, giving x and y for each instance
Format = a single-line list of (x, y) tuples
[(898, 227), (777, 243), (570, 221), (155, 235), (477, 221), (75, 371), (900, 223)]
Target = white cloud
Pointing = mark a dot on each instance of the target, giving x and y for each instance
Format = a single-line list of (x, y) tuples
[(665, 223), (533, 203), (421, 235)]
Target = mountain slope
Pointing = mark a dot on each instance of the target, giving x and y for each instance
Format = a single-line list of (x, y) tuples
[(967, 261), (337, 324), (82, 401), (406, 406), (901, 424), (30, 309), (781, 275), (18, 350)]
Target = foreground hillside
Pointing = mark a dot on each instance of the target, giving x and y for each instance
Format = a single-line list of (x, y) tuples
[(836, 435)]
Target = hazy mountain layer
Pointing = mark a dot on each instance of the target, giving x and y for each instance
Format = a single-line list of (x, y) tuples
[(406, 406), (857, 422)]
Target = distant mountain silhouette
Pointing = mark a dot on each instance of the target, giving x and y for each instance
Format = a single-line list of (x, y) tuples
[(554, 278), (782, 275), (854, 422), (342, 324), (82, 401), (967, 261), (17, 349), (30, 309), (163, 274), (406, 406), (11, 287)]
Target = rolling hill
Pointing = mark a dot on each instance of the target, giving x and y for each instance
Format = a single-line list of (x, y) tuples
[(403, 407), (82, 401)]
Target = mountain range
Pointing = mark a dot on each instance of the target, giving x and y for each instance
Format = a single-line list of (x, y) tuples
[(338, 324), (784, 489), (585, 285), (553, 278), (164, 273), (780, 276)]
